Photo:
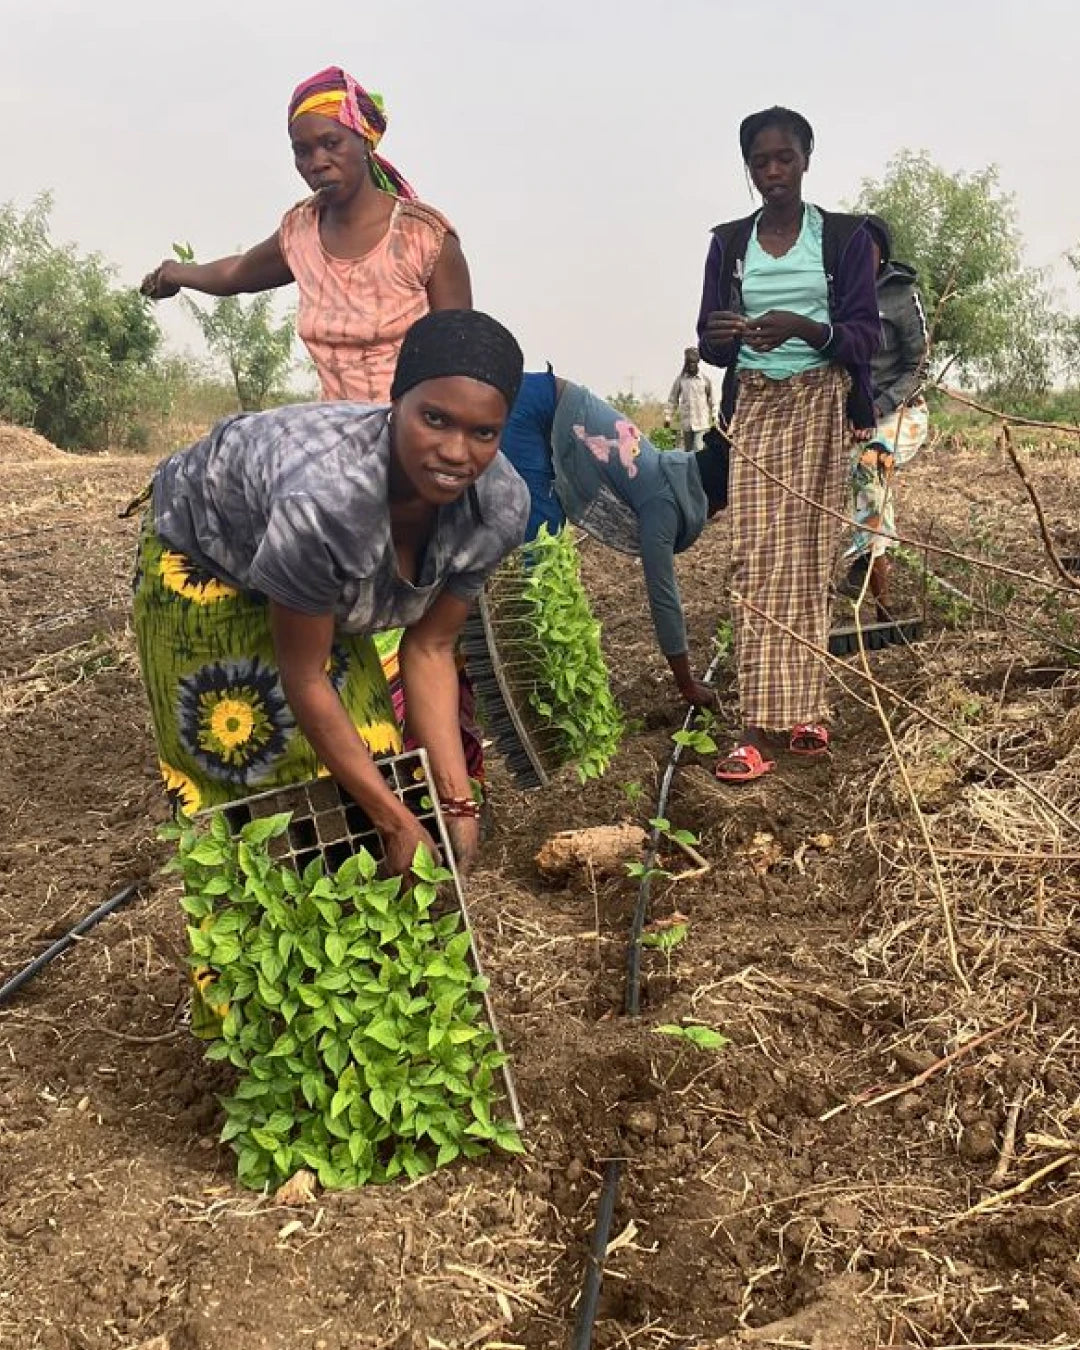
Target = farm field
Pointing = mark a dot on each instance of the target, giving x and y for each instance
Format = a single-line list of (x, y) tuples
[(887, 1153)]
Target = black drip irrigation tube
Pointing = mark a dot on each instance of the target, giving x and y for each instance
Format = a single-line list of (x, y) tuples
[(70, 938), (589, 1301)]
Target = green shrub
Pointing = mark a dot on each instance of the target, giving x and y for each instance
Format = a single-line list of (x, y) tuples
[(353, 1013), (73, 346)]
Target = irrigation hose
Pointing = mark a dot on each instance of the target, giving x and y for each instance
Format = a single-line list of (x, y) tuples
[(589, 1302), (594, 1271), (12, 986)]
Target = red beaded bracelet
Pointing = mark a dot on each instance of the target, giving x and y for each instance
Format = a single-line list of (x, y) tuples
[(463, 808)]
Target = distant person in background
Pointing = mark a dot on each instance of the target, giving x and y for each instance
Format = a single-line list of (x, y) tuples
[(691, 400), (582, 460), (367, 257), (901, 422), (788, 306)]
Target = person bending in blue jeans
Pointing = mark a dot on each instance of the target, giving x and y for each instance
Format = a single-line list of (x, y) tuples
[(583, 460)]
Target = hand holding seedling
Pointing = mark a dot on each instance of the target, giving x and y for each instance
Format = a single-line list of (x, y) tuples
[(400, 842), (156, 284)]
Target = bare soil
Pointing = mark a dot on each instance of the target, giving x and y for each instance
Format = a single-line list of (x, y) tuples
[(860, 924)]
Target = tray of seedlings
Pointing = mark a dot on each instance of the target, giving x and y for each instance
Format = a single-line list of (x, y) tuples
[(533, 650), (352, 1005)]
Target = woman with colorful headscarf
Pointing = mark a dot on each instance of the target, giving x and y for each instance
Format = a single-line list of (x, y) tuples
[(368, 258)]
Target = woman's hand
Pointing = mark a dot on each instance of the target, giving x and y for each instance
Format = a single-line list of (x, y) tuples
[(400, 842), (724, 326), (464, 832), (158, 285), (698, 694), (777, 326)]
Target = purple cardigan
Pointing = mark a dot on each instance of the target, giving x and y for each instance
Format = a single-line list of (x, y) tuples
[(853, 307)]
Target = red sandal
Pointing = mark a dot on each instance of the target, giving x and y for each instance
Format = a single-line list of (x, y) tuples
[(756, 765), (815, 734)]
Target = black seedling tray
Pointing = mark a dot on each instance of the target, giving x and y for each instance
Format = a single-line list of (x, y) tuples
[(327, 823), (845, 641), (501, 718)]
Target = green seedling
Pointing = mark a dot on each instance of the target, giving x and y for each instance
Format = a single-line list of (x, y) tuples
[(699, 741), (349, 1008), (686, 838), (184, 253), (702, 1037), (665, 935), (666, 939), (637, 871), (633, 792), (705, 720)]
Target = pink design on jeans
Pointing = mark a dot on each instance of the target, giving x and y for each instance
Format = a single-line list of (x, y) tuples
[(626, 444)]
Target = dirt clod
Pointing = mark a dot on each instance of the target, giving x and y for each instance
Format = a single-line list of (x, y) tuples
[(600, 849), (642, 1120)]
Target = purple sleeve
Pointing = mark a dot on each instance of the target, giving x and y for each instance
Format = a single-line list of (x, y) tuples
[(856, 325), (724, 354)]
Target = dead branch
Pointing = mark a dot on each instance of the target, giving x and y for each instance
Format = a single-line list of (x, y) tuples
[(875, 1096), (1044, 529), (957, 397), (1003, 1197), (913, 797)]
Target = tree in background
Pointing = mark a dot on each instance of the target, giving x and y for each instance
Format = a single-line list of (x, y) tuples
[(1070, 332), (74, 347), (959, 230), (257, 352), (647, 413)]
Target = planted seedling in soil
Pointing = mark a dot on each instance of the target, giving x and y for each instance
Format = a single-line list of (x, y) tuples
[(664, 935), (349, 1007), (697, 1035)]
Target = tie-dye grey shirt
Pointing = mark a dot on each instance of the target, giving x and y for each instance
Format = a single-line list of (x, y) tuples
[(293, 504)]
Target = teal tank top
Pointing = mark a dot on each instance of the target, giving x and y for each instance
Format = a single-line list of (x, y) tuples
[(794, 282)]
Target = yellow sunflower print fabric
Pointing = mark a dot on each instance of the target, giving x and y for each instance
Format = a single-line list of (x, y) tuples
[(223, 726)]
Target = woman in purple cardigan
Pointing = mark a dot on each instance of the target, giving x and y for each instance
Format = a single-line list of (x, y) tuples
[(789, 307)]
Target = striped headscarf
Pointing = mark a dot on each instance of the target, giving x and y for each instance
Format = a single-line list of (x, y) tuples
[(335, 94)]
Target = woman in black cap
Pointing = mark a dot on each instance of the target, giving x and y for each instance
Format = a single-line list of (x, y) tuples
[(276, 547)]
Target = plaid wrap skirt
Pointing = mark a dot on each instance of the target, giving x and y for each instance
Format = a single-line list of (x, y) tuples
[(790, 454)]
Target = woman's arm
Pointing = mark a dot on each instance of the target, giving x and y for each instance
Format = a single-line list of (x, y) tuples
[(302, 645), (718, 330), (449, 286), (430, 679), (657, 531), (262, 268), (856, 325)]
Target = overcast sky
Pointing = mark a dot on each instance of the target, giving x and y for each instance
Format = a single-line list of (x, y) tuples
[(582, 149)]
